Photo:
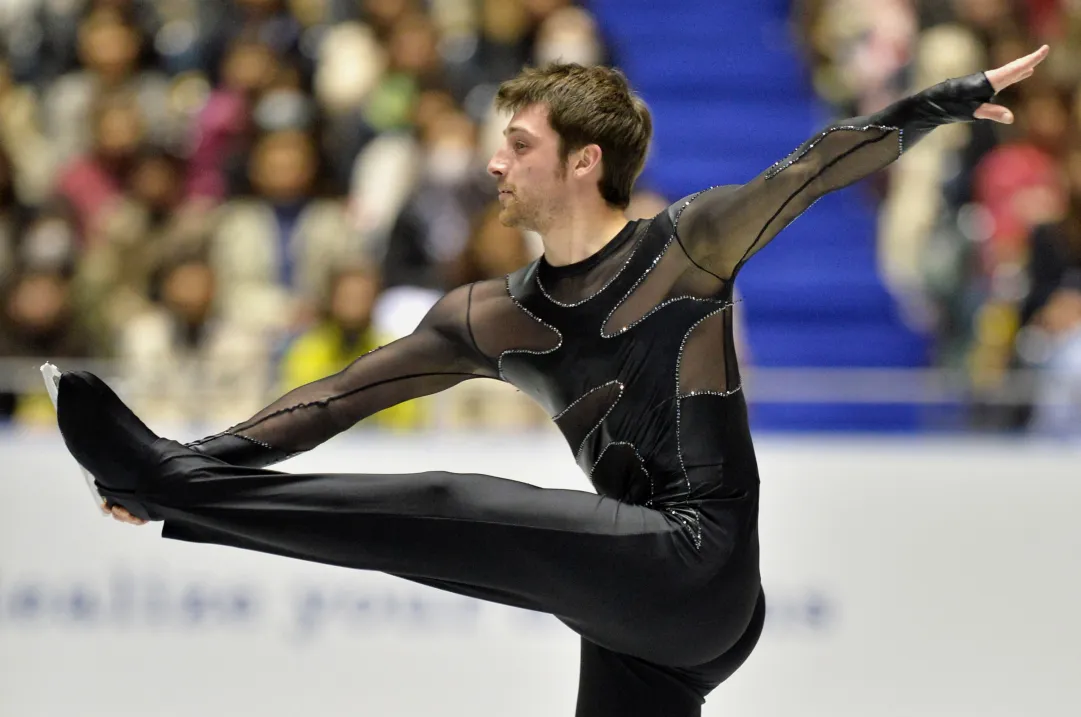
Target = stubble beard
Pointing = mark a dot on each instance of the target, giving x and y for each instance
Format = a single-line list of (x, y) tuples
[(534, 214), (508, 217), (515, 214)]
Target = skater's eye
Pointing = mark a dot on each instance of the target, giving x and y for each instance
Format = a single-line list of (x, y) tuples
[(519, 146)]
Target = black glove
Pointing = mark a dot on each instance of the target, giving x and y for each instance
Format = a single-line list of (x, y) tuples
[(947, 102)]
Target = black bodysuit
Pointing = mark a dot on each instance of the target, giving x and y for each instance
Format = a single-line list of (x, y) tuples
[(631, 352)]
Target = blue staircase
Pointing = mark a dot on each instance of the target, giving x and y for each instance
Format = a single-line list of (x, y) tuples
[(730, 95)]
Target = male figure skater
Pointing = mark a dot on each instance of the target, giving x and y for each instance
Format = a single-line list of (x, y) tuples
[(622, 331)]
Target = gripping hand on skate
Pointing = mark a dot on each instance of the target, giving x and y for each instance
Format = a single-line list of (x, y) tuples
[(122, 515)]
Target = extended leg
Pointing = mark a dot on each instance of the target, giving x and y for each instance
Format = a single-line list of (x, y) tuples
[(587, 559), (626, 577)]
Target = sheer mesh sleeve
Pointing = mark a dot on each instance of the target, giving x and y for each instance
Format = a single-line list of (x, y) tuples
[(723, 227), (438, 355)]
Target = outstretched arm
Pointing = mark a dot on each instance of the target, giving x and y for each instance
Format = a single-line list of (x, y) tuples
[(723, 227), (438, 355)]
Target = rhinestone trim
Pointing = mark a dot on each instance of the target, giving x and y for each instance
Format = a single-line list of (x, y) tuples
[(587, 393), (640, 460), (781, 165), (527, 312), (697, 530), (722, 394), (598, 292), (660, 306), (645, 274), (678, 515), (229, 432), (256, 441), (582, 445), (201, 441)]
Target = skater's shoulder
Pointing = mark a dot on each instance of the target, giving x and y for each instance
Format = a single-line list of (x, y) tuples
[(496, 293), (468, 301), (712, 195)]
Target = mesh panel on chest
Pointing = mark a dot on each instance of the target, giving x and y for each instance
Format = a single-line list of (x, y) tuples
[(585, 414), (707, 362), (574, 287)]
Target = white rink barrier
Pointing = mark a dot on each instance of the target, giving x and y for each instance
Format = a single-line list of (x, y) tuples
[(904, 577)]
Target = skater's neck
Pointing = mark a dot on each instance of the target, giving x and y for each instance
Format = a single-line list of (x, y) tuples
[(581, 232)]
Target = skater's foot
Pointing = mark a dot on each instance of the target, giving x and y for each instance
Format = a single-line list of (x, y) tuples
[(107, 439)]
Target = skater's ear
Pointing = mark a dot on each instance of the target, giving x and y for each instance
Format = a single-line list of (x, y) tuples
[(587, 160)]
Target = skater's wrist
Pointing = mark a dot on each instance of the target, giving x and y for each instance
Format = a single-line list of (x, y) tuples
[(955, 100)]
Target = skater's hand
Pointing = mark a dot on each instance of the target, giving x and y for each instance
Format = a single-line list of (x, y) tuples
[(1005, 76), (122, 515)]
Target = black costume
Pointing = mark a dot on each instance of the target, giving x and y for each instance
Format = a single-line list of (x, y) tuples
[(630, 350)]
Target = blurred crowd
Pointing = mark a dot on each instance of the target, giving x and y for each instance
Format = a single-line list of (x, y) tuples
[(224, 199), (220, 200), (980, 225)]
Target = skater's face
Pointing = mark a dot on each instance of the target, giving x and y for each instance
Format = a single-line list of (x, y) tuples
[(531, 177)]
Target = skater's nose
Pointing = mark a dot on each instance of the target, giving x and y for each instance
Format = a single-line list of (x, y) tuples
[(497, 165)]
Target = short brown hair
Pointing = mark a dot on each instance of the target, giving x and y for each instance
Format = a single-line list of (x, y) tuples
[(589, 105)]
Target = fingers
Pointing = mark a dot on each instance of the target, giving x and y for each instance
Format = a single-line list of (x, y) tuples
[(124, 516), (1003, 77), (1017, 70), (120, 514), (1028, 62), (996, 113)]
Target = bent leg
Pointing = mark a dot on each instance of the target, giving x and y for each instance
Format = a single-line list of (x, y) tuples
[(611, 684)]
